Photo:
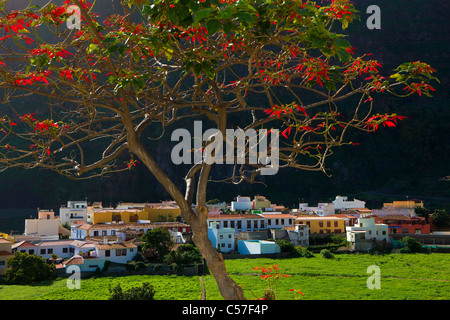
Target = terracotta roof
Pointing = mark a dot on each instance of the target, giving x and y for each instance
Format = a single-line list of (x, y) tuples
[(110, 246), (6, 253), (233, 216), (23, 244), (342, 215), (317, 218), (393, 217), (76, 259), (2, 240), (277, 215)]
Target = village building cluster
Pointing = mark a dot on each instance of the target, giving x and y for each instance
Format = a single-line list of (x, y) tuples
[(89, 234)]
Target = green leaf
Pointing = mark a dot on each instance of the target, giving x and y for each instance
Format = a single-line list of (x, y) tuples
[(245, 17), (202, 14), (213, 25)]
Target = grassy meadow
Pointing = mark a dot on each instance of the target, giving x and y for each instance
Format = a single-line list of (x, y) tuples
[(403, 277)]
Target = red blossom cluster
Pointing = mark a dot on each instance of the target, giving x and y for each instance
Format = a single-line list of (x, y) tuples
[(32, 77), (387, 120), (359, 66), (315, 69), (339, 9)]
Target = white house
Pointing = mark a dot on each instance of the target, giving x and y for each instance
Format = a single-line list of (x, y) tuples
[(239, 222), (223, 239), (45, 225), (299, 235), (61, 248), (118, 252), (322, 209), (342, 203), (278, 220), (74, 212), (365, 232), (241, 203)]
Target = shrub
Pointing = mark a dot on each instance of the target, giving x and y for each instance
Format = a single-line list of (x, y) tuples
[(185, 254), (285, 245), (326, 254), (146, 292), (304, 252), (410, 245), (25, 269)]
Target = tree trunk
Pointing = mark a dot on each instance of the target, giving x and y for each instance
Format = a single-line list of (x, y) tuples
[(197, 221), (216, 264)]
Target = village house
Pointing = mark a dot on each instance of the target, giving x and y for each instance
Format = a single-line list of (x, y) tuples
[(223, 239), (118, 251), (47, 226), (342, 203), (278, 220), (61, 248), (81, 232), (399, 208), (322, 209), (404, 224), (322, 225), (5, 254), (75, 212), (244, 203), (240, 222), (257, 247), (364, 235)]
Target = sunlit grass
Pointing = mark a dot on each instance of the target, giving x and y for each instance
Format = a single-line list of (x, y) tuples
[(403, 276)]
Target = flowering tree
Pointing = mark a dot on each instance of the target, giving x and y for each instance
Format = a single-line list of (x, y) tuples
[(275, 64)]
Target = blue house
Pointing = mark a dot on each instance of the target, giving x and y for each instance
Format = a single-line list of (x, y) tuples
[(222, 239), (257, 247)]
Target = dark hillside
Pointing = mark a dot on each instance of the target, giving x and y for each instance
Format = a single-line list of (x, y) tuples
[(409, 160)]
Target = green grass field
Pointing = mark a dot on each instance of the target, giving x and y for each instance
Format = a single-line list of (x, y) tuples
[(403, 276)]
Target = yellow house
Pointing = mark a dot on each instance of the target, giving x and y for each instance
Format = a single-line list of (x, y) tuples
[(133, 215), (260, 202), (5, 254), (322, 225), (408, 204), (125, 215)]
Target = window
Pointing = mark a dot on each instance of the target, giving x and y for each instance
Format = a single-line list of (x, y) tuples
[(229, 245), (249, 224), (124, 252), (42, 251), (222, 245), (328, 223), (276, 222), (65, 250), (107, 253), (221, 236), (225, 224), (50, 251), (384, 233), (95, 233), (321, 224), (113, 232), (335, 223), (118, 252), (229, 236), (104, 233), (337, 230)]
